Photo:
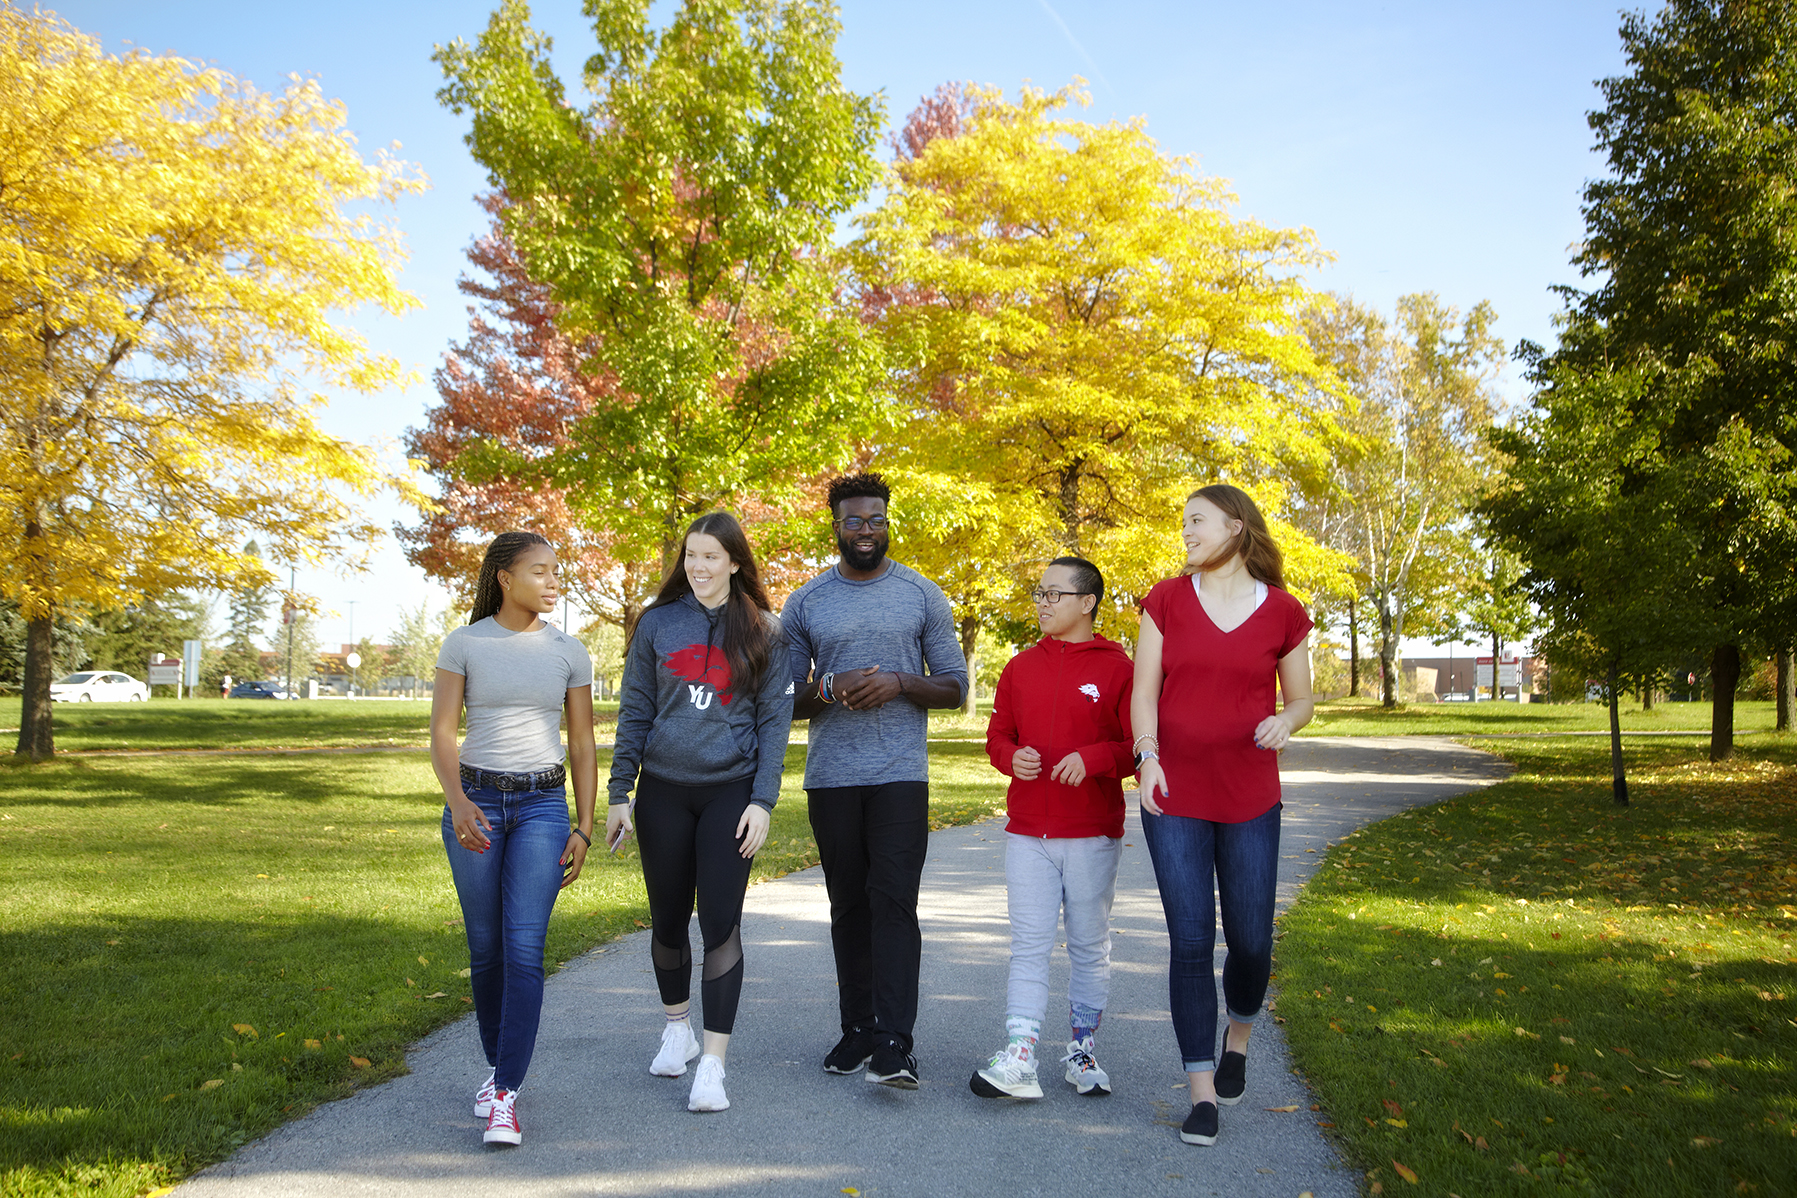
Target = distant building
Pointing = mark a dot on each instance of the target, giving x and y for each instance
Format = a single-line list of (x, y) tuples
[(1460, 674)]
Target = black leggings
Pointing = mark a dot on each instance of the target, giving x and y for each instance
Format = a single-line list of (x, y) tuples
[(687, 837)]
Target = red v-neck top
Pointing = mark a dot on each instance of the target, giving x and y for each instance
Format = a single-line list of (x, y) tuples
[(1216, 688)]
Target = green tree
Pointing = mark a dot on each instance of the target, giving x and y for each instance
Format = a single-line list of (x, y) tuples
[(1688, 239), (685, 220), (247, 614), (126, 638), (1499, 607), (1592, 504), (1414, 454), (416, 640)]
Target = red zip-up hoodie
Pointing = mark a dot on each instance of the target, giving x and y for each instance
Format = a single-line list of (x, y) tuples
[(1058, 697)]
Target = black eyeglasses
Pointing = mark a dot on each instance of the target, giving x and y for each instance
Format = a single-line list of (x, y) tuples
[(1051, 596), (856, 523)]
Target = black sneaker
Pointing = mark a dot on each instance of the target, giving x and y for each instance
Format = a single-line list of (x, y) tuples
[(891, 1065), (851, 1052), (1232, 1077), (1201, 1125)]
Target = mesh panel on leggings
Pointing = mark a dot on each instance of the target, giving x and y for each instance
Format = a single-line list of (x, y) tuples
[(673, 970), (721, 985)]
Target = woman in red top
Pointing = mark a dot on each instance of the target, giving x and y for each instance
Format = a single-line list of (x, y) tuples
[(1213, 644)]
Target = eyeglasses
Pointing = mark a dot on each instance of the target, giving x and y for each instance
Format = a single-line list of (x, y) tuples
[(1051, 596), (856, 523)]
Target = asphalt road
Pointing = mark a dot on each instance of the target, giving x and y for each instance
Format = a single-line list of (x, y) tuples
[(596, 1123)]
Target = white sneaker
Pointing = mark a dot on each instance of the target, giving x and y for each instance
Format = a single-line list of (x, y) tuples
[(483, 1097), (502, 1120), (678, 1046), (1007, 1075), (708, 1086), (1083, 1073)]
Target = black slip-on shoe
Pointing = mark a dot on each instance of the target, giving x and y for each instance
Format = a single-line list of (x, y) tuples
[(1201, 1125), (1232, 1077), (891, 1065), (851, 1053)]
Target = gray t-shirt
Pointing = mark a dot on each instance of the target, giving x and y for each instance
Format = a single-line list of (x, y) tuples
[(898, 621), (516, 684)]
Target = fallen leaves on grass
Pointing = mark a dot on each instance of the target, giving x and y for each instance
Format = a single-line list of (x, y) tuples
[(360, 1062), (1405, 1171), (246, 1029)]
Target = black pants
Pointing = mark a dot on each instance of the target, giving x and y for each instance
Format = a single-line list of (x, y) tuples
[(872, 840), (687, 837)]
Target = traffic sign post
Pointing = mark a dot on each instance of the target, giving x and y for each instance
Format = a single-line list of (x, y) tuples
[(190, 657)]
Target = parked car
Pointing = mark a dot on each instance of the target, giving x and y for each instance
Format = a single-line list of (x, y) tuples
[(259, 690), (99, 686)]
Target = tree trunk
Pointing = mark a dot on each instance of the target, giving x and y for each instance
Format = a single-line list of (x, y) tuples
[(1725, 676), (970, 649), (1647, 688), (1787, 689), (1619, 783), (37, 735), (1388, 657), (1354, 649)]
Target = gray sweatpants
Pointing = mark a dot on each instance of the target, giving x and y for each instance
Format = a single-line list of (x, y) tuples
[(1043, 878)]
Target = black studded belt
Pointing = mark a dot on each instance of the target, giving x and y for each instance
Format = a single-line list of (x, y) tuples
[(492, 780)]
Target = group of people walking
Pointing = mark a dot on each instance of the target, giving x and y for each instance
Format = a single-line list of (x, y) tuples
[(712, 682)]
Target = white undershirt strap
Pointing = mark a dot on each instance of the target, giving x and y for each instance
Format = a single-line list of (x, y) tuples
[(1260, 590)]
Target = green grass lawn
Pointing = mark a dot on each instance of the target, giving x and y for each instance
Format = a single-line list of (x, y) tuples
[(1364, 717), (1530, 991), (196, 949)]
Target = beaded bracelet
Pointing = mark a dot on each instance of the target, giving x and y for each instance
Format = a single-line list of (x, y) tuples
[(1146, 736)]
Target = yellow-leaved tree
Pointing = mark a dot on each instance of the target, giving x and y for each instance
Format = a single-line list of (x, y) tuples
[(1081, 333), (173, 245)]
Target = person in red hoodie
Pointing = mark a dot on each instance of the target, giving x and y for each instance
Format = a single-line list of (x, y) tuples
[(1060, 729)]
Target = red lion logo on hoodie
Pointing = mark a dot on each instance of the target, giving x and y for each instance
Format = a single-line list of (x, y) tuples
[(704, 665)]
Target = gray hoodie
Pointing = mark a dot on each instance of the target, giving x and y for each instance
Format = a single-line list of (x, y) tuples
[(678, 717)]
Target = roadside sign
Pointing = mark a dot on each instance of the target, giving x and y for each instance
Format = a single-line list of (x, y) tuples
[(190, 657), (165, 671)]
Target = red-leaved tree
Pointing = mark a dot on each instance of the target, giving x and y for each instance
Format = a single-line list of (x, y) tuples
[(515, 386)]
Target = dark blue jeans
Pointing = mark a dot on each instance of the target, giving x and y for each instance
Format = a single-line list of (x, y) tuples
[(507, 894), (1242, 861)]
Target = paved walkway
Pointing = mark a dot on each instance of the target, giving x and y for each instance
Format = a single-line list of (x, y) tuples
[(596, 1123)]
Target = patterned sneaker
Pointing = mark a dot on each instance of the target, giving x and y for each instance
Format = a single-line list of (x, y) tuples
[(483, 1097), (892, 1066), (851, 1052), (708, 1086), (678, 1046), (1201, 1125), (502, 1120), (1232, 1077), (1083, 1073), (1006, 1075)]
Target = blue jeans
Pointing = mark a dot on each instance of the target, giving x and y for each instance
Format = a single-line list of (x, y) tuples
[(1243, 860), (507, 894)]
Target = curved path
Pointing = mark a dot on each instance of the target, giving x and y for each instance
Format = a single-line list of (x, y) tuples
[(596, 1123)]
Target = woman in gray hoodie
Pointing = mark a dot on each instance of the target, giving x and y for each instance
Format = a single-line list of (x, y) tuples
[(702, 728)]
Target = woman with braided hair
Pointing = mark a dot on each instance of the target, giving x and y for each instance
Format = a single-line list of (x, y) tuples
[(505, 815)]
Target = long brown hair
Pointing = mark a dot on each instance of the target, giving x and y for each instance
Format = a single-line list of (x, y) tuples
[(1260, 555), (748, 639), (505, 549)]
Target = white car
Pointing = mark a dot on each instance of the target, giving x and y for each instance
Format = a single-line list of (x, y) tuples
[(99, 686)]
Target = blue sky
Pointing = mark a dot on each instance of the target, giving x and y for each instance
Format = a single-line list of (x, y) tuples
[(1431, 144)]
